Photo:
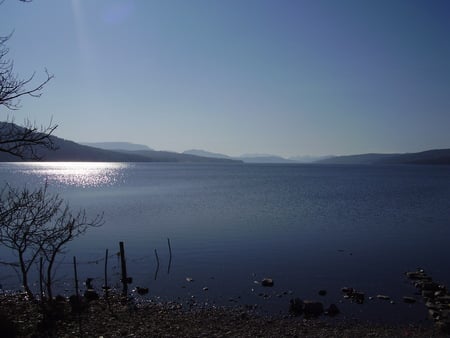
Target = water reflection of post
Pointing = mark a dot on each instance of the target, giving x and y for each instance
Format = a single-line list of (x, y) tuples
[(157, 264), (170, 256)]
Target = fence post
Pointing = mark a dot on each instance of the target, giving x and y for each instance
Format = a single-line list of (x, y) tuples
[(77, 295), (170, 256), (106, 275), (123, 264)]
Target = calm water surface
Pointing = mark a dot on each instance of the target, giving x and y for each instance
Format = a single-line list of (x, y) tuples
[(309, 227)]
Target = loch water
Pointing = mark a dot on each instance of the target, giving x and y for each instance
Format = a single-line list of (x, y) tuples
[(309, 227)]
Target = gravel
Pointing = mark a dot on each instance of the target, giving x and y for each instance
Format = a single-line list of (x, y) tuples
[(124, 318)]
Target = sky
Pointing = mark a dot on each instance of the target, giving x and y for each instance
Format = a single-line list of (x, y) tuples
[(284, 77)]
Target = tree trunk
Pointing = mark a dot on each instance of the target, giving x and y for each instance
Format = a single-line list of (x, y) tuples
[(24, 271)]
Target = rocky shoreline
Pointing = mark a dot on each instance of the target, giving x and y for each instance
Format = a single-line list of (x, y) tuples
[(118, 317), (112, 315)]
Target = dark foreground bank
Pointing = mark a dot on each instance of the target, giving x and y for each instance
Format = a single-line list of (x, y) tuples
[(20, 317)]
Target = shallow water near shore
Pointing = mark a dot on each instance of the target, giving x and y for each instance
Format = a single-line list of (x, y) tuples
[(309, 227)]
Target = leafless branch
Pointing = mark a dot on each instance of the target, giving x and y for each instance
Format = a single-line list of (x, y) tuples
[(25, 141), (37, 223)]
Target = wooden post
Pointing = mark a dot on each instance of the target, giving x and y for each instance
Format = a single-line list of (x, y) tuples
[(124, 270), (78, 305), (170, 256), (157, 264), (106, 274), (76, 276)]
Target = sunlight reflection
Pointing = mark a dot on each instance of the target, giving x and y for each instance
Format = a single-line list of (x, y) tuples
[(83, 174)]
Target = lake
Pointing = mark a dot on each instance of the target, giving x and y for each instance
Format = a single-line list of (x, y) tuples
[(309, 227)]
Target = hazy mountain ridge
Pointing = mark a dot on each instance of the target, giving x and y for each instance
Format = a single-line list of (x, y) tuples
[(204, 153), (117, 145), (69, 151), (434, 157), (246, 158)]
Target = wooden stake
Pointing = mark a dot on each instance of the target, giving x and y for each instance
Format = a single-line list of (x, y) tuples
[(170, 256), (78, 305), (106, 274), (124, 270), (157, 264)]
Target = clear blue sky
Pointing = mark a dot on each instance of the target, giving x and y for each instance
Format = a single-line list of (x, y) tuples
[(287, 77)]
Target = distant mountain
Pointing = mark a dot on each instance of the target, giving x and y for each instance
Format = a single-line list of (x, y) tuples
[(116, 145), (203, 153), (263, 158), (308, 158), (436, 157), (167, 156), (356, 159), (247, 158), (69, 151)]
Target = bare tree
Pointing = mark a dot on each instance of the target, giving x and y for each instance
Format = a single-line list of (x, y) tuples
[(64, 229), (35, 223), (20, 141), (25, 141)]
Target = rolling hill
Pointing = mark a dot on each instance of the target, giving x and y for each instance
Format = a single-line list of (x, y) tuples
[(69, 151), (430, 157)]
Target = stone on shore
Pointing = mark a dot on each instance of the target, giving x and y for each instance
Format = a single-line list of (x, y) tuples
[(268, 282), (312, 308), (296, 306), (332, 310)]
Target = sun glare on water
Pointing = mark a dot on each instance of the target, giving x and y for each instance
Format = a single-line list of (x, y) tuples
[(82, 174)]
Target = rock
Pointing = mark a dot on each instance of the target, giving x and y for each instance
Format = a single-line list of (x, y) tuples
[(268, 282), (189, 279), (358, 297), (77, 304), (312, 308), (90, 295), (354, 295), (205, 288), (409, 300), (418, 275), (431, 305), (296, 306), (332, 310), (7, 327), (429, 286), (427, 294), (88, 283), (443, 299), (322, 292), (141, 291), (383, 297), (347, 290), (443, 327), (433, 313), (440, 294)]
